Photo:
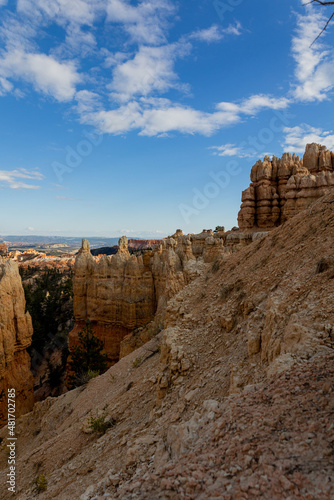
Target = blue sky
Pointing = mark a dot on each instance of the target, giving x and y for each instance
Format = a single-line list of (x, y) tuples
[(137, 118)]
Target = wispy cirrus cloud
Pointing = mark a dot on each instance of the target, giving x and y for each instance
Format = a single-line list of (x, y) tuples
[(81, 12), (215, 33), (314, 70), (231, 150), (296, 138), (152, 116), (146, 23), (132, 92), (12, 178)]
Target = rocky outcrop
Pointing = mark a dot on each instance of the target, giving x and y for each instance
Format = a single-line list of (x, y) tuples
[(116, 293), (33, 258), (282, 187), (3, 250), (234, 399), (15, 337), (143, 244), (125, 296)]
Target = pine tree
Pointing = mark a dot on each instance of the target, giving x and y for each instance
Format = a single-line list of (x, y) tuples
[(87, 359)]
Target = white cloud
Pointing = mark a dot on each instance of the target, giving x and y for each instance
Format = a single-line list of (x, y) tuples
[(146, 23), (113, 59), (57, 79), (87, 101), (254, 104), (77, 42), (76, 11), (314, 65), (215, 33), (71, 16), (3, 2), (161, 116), (296, 138), (231, 150), (17, 35), (5, 86), (233, 29), (11, 178), (151, 69)]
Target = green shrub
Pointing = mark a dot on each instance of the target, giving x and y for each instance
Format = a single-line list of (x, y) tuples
[(98, 423), (136, 362), (41, 483)]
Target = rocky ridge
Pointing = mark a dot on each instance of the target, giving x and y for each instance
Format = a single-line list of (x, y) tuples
[(232, 400), (281, 187), (33, 258), (15, 337), (125, 296)]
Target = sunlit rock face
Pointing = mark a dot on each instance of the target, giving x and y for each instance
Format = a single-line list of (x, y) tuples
[(15, 337), (122, 293), (281, 187)]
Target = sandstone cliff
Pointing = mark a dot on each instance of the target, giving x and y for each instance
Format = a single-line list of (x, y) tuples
[(3, 249), (125, 296), (281, 187), (15, 338), (234, 399)]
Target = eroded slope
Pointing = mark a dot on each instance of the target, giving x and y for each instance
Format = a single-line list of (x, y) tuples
[(238, 400)]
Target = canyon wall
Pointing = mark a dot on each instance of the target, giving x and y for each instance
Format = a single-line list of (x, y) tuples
[(282, 187), (125, 296), (15, 337)]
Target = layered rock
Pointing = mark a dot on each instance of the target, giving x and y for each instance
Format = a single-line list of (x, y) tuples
[(33, 258), (281, 187), (245, 368), (116, 293), (15, 337), (121, 294)]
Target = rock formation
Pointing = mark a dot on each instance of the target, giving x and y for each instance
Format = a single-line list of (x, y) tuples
[(281, 187), (15, 338), (33, 258), (121, 294), (3, 250), (233, 400)]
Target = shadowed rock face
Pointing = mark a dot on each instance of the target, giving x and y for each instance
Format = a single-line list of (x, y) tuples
[(15, 337), (281, 187), (122, 292)]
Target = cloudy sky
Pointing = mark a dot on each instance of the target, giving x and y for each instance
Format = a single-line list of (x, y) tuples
[(140, 117)]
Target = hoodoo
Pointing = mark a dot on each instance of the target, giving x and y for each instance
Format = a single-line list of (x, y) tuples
[(281, 187), (15, 337)]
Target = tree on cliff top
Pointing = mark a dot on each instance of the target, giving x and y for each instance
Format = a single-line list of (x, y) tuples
[(87, 359)]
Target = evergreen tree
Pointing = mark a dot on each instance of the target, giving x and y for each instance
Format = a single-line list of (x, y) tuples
[(87, 357)]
